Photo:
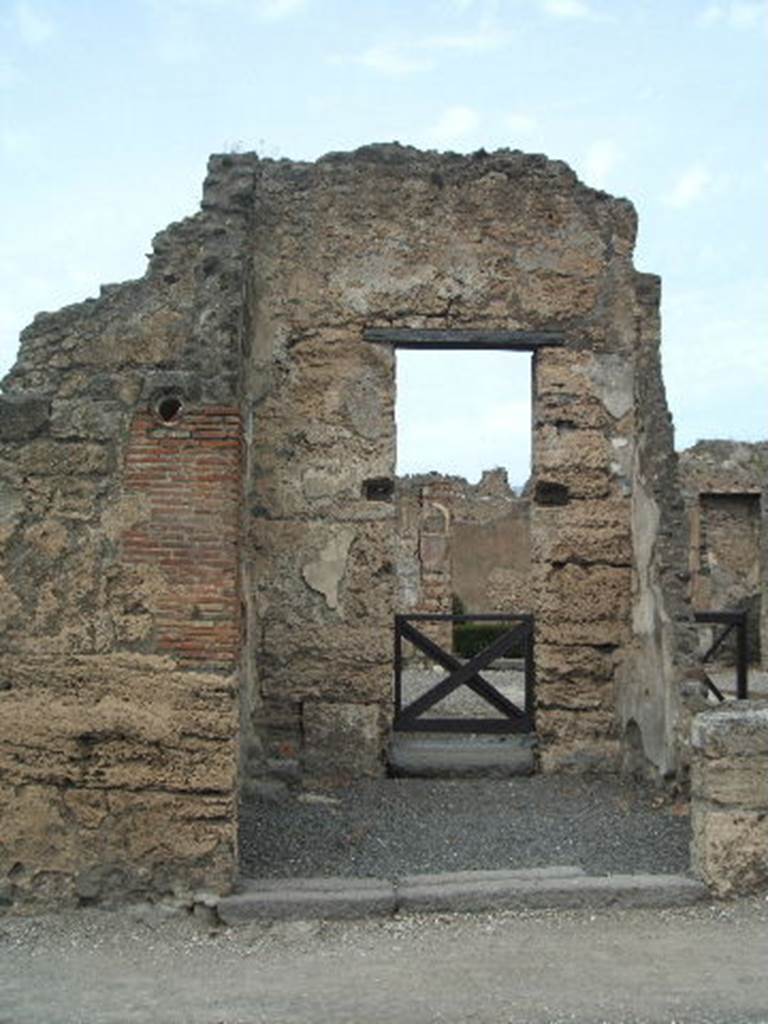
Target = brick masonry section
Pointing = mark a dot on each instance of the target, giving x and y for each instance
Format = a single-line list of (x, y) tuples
[(187, 475)]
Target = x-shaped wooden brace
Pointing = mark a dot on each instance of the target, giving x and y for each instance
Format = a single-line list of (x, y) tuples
[(461, 675)]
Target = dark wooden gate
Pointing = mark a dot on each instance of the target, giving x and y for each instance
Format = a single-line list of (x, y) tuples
[(731, 620), (513, 719)]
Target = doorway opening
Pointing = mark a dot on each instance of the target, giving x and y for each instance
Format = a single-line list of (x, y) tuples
[(463, 603)]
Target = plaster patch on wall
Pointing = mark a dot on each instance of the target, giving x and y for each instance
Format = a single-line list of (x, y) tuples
[(646, 524), (325, 574), (611, 376)]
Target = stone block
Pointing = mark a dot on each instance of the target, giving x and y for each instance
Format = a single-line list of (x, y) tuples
[(564, 725), (577, 593), (23, 416), (560, 888), (341, 740), (732, 781), (307, 898), (729, 849), (86, 418), (573, 449), (734, 730), (557, 662), (583, 531)]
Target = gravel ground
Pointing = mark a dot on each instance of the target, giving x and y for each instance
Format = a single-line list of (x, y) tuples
[(390, 827), (509, 682)]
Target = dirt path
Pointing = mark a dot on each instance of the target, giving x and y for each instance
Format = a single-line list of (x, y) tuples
[(702, 964)]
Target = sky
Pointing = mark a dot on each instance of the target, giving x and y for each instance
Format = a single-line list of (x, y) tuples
[(110, 108)]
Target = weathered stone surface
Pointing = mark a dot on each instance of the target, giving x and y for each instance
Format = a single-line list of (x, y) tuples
[(135, 724), (306, 898), (77, 419), (729, 791), (150, 843), (62, 458), (729, 849), (575, 593), (584, 532), (735, 730), (732, 781), (342, 740), (23, 416)]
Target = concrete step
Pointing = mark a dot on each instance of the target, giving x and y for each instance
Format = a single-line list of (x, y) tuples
[(425, 755), (557, 887)]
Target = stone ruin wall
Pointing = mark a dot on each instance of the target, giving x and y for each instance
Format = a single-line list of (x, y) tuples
[(725, 486), (120, 582), (462, 539), (195, 599)]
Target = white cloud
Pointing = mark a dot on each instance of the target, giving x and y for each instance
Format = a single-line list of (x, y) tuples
[(454, 124), (690, 186), (35, 28), (738, 14), (566, 8), (600, 161), (387, 60)]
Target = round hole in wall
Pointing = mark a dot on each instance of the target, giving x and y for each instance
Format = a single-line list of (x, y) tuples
[(169, 408)]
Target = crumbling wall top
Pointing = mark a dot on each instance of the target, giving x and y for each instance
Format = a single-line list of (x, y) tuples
[(722, 466)]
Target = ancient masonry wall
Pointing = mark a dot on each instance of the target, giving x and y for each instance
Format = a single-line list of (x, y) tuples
[(725, 488), (198, 472), (120, 479), (388, 237), (663, 637)]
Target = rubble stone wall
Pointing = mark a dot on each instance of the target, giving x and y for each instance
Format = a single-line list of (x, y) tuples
[(120, 478)]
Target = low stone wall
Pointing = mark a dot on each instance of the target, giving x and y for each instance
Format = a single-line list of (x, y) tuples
[(729, 779)]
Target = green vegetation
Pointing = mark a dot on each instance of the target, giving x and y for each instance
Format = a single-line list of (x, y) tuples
[(469, 638)]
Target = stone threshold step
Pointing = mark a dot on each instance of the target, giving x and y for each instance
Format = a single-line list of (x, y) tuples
[(418, 755), (558, 887)]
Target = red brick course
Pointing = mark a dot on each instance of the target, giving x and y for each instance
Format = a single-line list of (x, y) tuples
[(189, 475)]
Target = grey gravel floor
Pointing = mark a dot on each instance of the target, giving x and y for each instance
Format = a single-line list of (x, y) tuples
[(391, 827)]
